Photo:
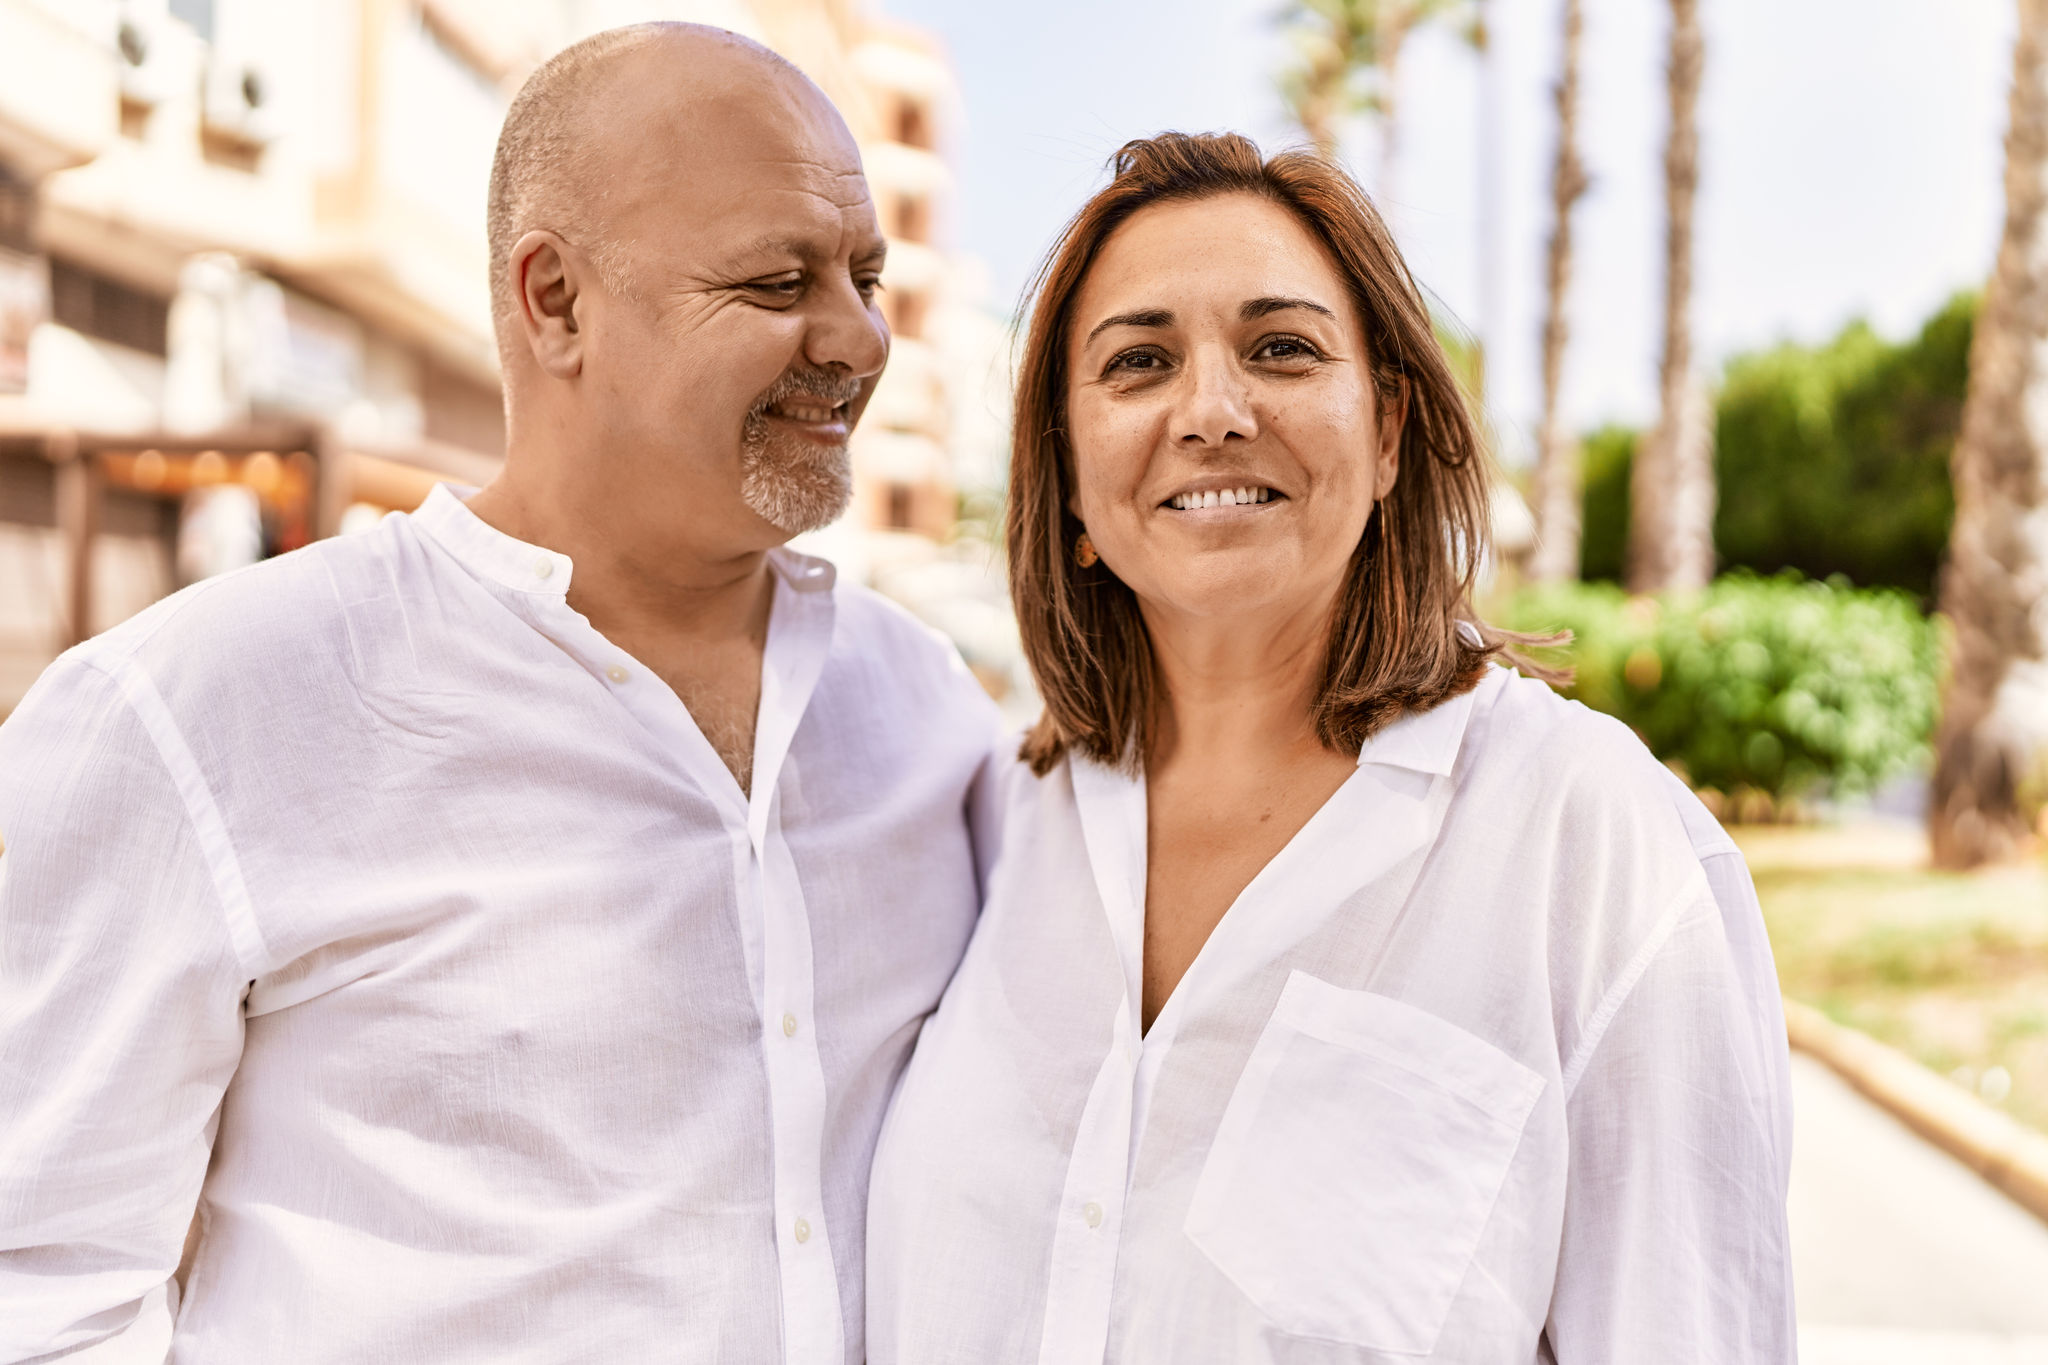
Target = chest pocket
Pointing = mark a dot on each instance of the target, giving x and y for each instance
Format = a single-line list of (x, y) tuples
[(1356, 1165)]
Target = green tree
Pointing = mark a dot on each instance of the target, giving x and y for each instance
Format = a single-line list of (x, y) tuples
[(1348, 61), (1835, 459), (1830, 459)]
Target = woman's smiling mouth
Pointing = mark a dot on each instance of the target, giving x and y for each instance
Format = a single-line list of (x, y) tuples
[(1202, 500)]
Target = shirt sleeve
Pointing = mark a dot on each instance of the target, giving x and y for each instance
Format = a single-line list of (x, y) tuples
[(120, 1008), (1675, 1247)]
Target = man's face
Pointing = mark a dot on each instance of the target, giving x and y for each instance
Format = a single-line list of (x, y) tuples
[(730, 374)]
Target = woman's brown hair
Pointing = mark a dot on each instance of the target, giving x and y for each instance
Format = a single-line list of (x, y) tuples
[(1404, 636)]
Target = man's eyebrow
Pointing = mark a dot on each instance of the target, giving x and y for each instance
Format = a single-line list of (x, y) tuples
[(1147, 317), (1252, 309), (806, 250)]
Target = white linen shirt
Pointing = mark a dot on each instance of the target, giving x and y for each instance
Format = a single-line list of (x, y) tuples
[(1486, 1066), (374, 901)]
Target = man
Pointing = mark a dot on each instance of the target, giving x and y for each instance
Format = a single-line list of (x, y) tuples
[(507, 927)]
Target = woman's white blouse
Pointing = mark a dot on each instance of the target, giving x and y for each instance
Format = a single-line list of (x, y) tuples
[(1488, 1065)]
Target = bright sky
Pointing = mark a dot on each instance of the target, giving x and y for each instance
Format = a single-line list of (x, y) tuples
[(1851, 160)]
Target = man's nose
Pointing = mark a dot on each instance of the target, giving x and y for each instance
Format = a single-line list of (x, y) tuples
[(1215, 404), (846, 331)]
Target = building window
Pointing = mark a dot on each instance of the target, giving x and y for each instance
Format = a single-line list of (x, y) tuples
[(17, 213), (913, 125), (99, 307), (902, 507), (906, 318), (913, 218)]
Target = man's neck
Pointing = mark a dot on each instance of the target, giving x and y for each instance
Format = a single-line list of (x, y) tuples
[(699, 621), (626, 586)]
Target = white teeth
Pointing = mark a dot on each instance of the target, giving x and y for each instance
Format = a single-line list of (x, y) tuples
[(1248, 496)]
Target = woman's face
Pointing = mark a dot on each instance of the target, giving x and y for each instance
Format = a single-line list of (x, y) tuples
[(1227, 445)]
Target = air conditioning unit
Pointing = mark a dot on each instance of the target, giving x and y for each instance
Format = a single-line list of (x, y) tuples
[(160, 57), (238, 99)]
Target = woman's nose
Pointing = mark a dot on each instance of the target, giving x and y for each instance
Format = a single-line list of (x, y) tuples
[(1216, 405)]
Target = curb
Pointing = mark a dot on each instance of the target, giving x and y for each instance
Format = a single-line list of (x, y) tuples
[(2010, 1156)]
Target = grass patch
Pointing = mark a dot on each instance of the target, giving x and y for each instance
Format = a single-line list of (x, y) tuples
[(1949, 968)]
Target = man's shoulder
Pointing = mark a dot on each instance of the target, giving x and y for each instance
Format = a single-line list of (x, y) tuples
[(877, 634), (262, 627)]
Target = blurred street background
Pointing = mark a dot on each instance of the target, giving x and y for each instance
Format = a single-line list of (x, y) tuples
[(1752, 299)]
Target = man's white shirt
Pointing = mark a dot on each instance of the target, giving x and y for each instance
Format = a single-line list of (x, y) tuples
[(1487, 1066), (373, 901)]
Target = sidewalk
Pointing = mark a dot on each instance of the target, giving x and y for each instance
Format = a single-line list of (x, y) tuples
[(1900, 1253)]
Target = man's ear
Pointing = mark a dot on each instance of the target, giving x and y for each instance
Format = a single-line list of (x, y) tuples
[(1393, 419), (546, 282)]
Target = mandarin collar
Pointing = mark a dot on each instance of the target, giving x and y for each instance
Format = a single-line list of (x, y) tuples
[(513, 563)]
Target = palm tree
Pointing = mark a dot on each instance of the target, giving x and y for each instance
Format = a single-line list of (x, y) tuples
[(1559, 490), (1349, 61), (1992, 743), (1671, 491)]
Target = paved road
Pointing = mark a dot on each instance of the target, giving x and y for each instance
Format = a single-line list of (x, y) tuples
[(1900, 1253)]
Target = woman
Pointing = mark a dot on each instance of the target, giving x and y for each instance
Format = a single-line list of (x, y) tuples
[(1339, 995)]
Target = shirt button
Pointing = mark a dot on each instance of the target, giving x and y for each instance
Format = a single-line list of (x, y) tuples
[(1092, 1211), (789, 1026), (543, 568), (803, 1230), (616, 673)]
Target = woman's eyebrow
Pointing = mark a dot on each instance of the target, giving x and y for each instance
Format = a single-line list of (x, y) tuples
[(1252, 309), (1149, 317)]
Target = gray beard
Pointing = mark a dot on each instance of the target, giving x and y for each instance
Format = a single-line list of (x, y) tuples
[(793, 485)]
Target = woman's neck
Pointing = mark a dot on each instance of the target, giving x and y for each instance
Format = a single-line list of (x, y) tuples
[(1236, 691)]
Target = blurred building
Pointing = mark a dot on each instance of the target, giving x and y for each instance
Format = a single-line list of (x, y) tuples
[(243, 294)]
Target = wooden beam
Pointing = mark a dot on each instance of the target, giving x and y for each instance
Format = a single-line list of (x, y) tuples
[(333, 482), (78, 515)]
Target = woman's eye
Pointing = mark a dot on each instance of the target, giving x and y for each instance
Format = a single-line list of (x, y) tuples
[(1288, 348), (1139, 361)]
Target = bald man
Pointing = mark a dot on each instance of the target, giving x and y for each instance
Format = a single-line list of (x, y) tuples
[(505, 929)]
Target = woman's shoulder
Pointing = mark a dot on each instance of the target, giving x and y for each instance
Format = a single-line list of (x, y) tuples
[(1529, 736)]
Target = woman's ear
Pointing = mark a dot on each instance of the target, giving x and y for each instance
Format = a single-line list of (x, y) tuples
[(1393, 420)]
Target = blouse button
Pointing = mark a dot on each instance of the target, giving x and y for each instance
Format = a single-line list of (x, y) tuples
[(616, 673), (789, 1026), (543, 568), (803, 1230), (1092, 1211)]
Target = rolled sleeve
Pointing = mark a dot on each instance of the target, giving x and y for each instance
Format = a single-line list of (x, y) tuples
[(120, 1011)]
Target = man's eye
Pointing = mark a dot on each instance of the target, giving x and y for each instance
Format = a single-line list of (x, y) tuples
[(869, 287), (779, 289)]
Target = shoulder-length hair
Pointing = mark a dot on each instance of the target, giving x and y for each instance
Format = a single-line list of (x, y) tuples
[(1403, 636)]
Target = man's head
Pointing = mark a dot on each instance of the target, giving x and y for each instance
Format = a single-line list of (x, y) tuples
[(684, 260)]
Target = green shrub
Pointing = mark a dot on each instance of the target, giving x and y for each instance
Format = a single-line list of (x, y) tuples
[(1782, 684), (1830, 459)]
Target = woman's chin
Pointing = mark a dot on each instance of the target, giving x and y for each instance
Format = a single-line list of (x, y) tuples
[(1231, 586)]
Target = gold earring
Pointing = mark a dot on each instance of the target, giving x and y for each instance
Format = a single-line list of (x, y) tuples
[(1084, 552)]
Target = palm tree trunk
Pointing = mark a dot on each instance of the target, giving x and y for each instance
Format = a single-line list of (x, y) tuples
[(1671, 491), (1992, 743), (1559, 490), (1396, 18)]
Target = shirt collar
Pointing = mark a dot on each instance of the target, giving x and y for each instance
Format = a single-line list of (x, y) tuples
[(1427, 741), (512, 563), (485, 550)]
